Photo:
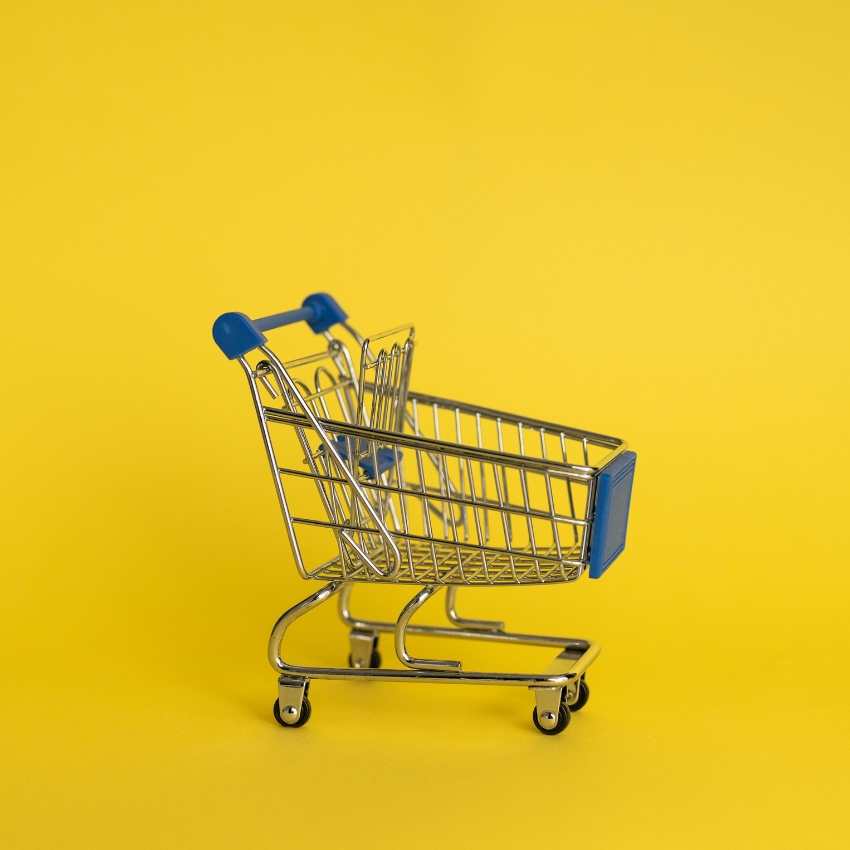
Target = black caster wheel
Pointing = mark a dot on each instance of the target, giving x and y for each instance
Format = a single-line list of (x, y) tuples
[(306, 711), (583, 696), (563, 721), (374, 660)]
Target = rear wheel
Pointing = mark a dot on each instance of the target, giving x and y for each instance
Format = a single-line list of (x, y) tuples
[(374, 661), (583, 696), (306, 711), (562, 723)]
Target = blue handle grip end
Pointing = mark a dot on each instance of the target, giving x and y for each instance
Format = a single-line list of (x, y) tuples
[(235, 335), (327, 312)]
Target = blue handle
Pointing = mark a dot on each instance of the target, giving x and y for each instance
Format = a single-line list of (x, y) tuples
[(235, 334)]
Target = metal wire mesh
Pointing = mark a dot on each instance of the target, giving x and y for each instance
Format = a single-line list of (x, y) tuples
[(410, 488)]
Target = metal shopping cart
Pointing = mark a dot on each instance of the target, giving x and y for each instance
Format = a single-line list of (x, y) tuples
[(382, 485)]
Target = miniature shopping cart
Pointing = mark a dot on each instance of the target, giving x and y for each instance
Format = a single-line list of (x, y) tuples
[(382, 485)]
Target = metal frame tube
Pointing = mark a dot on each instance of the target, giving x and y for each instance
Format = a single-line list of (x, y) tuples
[(572, 662), (401, 632), (465, 622)]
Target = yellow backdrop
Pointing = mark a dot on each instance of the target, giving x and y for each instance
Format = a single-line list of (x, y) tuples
[(628, 217)]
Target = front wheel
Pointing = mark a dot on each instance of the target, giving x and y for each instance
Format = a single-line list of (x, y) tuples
[(306, 711), (583, 696), (563, 721)]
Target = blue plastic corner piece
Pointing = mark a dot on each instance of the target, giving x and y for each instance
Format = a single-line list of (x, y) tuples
[(235, 335), (387, 458), (327, 312), (611, 519)]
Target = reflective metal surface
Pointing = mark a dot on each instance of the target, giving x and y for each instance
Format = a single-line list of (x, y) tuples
[(568, 667), (412, 488), (401, 487)]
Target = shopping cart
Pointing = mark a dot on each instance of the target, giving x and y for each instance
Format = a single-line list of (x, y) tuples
[(381, 485)]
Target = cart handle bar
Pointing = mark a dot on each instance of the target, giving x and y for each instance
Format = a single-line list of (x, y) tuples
[(236, 334)]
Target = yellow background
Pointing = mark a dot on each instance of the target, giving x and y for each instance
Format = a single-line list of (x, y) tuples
[(630, 217)]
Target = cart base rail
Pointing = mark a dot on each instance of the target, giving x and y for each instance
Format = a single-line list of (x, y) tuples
[(558, 690)]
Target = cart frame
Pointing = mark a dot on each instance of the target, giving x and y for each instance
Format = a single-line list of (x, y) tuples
[(376, 540)]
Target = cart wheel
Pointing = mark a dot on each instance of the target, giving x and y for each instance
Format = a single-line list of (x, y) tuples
[(583, 696), (374, 661), (306, 711), (563, 721)]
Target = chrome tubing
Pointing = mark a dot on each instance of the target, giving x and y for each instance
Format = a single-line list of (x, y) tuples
[(400, 633), (571, 663)]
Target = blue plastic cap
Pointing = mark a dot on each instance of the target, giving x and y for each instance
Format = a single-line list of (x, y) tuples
[(611, 519), (387, 458), (327, 312), (235, 335)]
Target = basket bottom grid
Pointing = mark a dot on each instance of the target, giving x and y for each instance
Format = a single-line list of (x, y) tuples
[(443, 562)]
